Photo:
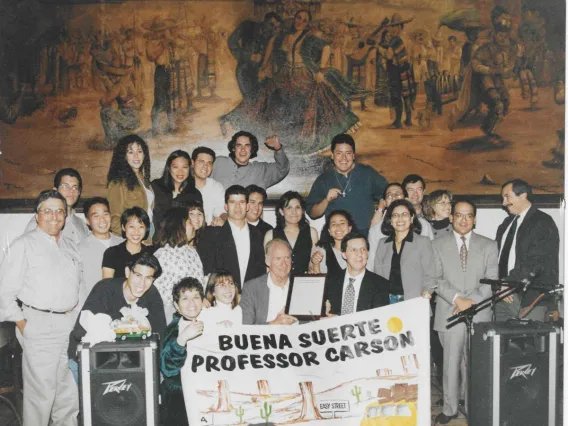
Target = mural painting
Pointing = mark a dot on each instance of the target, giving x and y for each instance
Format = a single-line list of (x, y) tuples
[(465, 92)]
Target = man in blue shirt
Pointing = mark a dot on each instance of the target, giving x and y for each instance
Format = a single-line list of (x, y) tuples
[(349, 186)]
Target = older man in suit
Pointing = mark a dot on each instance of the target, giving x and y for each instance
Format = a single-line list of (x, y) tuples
[(264, 298), (462, 258), (356, 289), (236, 246)]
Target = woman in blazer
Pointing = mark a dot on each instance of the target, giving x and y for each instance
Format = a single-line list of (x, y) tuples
[(404, 257), (128, 181)]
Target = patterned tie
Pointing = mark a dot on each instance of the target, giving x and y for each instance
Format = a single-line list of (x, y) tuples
[(349, 301), (506, 249), (463, 254)]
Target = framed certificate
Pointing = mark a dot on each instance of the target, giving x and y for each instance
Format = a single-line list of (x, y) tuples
[(306, 298)]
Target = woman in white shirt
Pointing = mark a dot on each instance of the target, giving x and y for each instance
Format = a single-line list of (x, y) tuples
[(221, 293)]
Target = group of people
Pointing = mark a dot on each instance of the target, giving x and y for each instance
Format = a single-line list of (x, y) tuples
[(192, 248)]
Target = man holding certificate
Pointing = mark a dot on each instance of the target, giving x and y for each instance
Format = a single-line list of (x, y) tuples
[(356, 289)]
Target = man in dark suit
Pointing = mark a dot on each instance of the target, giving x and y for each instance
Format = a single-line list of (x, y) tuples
[(528, 244), (236, 246), (356, 289), (462, 259), (256, 198)]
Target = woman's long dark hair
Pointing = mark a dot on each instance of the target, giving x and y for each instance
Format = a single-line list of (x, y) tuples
[(172, 228), (119, 170), (167, 181), (304, 32), (283, 202), (415, 225), (326, 240)]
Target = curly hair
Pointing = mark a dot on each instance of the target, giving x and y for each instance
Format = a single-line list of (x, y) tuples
[(326, 240), (119, 170), (187, 284), (167, 181), (172, 228), (415, 225), (253, 144), (284, 202)]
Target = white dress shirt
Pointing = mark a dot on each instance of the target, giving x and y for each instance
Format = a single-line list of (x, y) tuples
[(212, 316), (277, 298), (213, 195), (513, 252), (356, 285), (242, 243)]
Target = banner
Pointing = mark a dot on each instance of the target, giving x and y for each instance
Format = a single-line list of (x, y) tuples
[(370, 368)]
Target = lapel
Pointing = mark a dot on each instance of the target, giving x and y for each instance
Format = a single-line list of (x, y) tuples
[(502, 228), (365, 292), (524, 226), (230, 248), (251, 242)]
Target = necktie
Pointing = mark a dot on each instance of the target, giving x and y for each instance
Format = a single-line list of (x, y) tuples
[(349, 301), (463, 254), (506, 249)]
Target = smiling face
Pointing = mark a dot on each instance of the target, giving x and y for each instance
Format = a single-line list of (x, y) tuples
[(255, 206), (189, 304), (243, 150), (463, 219), (293, 212), (197, 218), (179, 170), (138, 281), (135, 157), (279, 261), (69, 188), (98, 218), (225, 290), (442, 208), (134, 230), (401, 219), (51, 216), (338, 227), (203, 166), (515, 204), (356, 255), (236, 207), (301, 21), (393, 193), (415, 193), (343, 158)]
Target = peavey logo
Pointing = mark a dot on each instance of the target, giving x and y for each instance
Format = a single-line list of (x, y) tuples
[(522, 370), (118, 386)]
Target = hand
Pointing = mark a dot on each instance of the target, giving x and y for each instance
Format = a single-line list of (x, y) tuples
[(206, 303), (320, 77), (21, 325), (426, 294), (328, 308), (508, 299), (462, 304), (273, 142), (217, 221), (332, 194), (283, 319), (317, 257), (193, 330)]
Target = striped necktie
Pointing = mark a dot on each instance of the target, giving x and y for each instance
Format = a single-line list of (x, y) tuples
[(349, 302)]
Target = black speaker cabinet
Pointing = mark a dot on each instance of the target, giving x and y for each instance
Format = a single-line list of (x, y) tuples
[(514, 374), (118, 383)]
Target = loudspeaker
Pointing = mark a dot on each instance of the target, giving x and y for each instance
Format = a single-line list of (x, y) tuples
[(118, 383), (513, 374)]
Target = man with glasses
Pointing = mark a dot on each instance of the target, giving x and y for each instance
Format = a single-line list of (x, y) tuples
[(237, 169), (39, 287), (462, 258), (349, 186), (68, 183)]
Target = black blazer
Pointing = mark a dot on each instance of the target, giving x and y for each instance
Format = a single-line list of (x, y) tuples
[(263, 227), (374, 292), (218, 250), (165, 199), (536, 250)]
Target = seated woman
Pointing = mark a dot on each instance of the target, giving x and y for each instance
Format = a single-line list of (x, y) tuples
[(437, 209), (222, 295), (327, 259), (176, 253), (293, 227), (135, 225), (404, 256), (188, 301), (176, 187), (128, 181)]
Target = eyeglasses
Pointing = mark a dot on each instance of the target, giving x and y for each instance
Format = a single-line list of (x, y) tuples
[(404, 215), (66, 187), (228, 284), (50, 212), (444, 203), (468, 216)]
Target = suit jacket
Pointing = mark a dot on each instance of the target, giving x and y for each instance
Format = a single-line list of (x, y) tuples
[(416, 264), (254, 301), (262, 226), (374, 292), (482, 262), (218, 250), (536, 250)]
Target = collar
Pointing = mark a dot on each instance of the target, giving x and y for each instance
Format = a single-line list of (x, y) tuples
[(235, 228), (356, 277), (271, 284), (56, 240), (524, 214), (409, 237), (467, 236), (440, 224)]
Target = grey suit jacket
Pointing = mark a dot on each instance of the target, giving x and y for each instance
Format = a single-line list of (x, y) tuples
[(416, 264), (482, 262), (254, 301)]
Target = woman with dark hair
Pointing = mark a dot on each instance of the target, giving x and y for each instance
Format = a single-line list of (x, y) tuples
[(187, 296), (128, 180), (404, 256), (303, 103), (437, 209), (293, 227), (197, 218), (222, 295), (135, 225), (176, 253), (327, 259), (176, 187)]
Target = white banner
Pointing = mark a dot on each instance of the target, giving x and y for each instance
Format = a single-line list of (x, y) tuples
[(355, 369)]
